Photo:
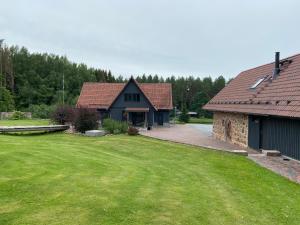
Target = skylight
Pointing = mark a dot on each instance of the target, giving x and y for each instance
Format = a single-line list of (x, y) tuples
[(257, 83)]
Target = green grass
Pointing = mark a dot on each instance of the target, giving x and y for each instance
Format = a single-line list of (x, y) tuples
[(201, 120), (24, 122), (68, 179), (196, 120)]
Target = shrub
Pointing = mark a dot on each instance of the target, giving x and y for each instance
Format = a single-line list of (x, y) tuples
[(184, 116), (114, 126), (18, 115), (132, 131), (117, 131), (41, 111), (85, 119), (63, 114)]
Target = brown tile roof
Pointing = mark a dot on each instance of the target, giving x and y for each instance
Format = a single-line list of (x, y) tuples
[(279, 96), (159, 94), (98, 95), (102, 95)]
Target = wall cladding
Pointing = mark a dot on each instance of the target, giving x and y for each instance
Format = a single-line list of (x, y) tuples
[(231, 127)]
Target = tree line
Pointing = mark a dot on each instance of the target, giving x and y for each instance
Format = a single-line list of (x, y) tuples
[(35, 79)]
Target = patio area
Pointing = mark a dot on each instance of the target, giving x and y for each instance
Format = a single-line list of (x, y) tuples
[(192, 134), (288, 168)]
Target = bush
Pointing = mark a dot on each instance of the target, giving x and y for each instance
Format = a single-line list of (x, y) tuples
[(17, 115), (204, 113), (85, 119), (115, 127), (63, 114), (184, 116), (132, 131), (41, 111)]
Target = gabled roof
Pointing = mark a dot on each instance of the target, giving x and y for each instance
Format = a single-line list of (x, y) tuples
[(131, 80), (102, 95), (279, 96)]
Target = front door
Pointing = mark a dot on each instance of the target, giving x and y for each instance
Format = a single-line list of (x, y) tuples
[(138, 118), (160, 118), (254, 134)]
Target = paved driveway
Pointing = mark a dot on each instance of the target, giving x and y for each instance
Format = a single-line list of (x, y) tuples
[(203, 128), (194, 134)]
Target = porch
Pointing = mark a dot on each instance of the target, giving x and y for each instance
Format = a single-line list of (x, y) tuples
[(137, 117)]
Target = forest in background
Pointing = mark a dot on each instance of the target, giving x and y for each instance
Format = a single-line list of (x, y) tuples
[(33, 82)]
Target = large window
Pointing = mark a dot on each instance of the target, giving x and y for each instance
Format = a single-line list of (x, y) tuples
[(132, 97)]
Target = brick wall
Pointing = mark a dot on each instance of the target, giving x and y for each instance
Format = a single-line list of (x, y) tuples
[(231, 127)]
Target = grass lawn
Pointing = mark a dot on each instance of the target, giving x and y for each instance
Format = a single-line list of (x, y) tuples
[(196, 120), (24, 122), (201, 120), (68, 179)]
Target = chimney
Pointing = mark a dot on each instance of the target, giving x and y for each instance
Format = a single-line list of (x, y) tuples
[(277, 62)]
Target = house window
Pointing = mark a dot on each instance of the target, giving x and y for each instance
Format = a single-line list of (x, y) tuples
[(132, 97), (257, 83), (136, 97), (127, 97)]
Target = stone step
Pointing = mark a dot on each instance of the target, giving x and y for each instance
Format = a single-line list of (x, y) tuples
[(271, 152), (240, 152), (95, 133)]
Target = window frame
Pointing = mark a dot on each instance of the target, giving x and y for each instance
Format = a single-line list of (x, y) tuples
[(257, 82), (132, 97)]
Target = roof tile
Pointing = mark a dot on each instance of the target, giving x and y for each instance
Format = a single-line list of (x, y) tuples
[(279, 96), (102, 95)]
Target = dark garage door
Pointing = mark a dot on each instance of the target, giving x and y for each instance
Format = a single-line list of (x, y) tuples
[(281, 134)]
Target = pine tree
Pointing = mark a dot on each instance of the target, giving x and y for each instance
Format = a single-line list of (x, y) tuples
[(184, 116), (6, 100)]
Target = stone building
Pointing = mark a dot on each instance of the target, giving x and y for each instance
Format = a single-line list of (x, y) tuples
[(260, 108)]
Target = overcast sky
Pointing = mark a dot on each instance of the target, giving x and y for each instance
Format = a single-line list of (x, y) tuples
[(165, 37)]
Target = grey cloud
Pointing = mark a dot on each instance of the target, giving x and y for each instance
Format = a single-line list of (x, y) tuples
[(160, 36)]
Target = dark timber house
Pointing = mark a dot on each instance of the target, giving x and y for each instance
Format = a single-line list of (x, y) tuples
[(260, 108), (146, 104)]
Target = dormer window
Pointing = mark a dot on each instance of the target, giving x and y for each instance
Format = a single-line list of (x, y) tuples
[(258, 82), (132, 97)]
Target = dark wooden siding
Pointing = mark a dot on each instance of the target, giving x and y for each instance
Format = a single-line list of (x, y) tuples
[(281, 134), (164, 114), (117, 108), (272, 133)]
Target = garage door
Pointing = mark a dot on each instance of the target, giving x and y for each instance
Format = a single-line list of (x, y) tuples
[(282, 135)]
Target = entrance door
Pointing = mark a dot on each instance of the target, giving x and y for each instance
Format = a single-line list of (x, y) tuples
[(138, 118), (160, 118), (254, 134)]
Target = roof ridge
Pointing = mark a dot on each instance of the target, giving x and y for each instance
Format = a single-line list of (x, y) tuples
[(147, 97), (266, 64), (138, 86), (265, 99)]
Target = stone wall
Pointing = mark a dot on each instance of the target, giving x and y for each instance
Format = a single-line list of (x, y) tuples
[(7, 115), (231, 127)]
